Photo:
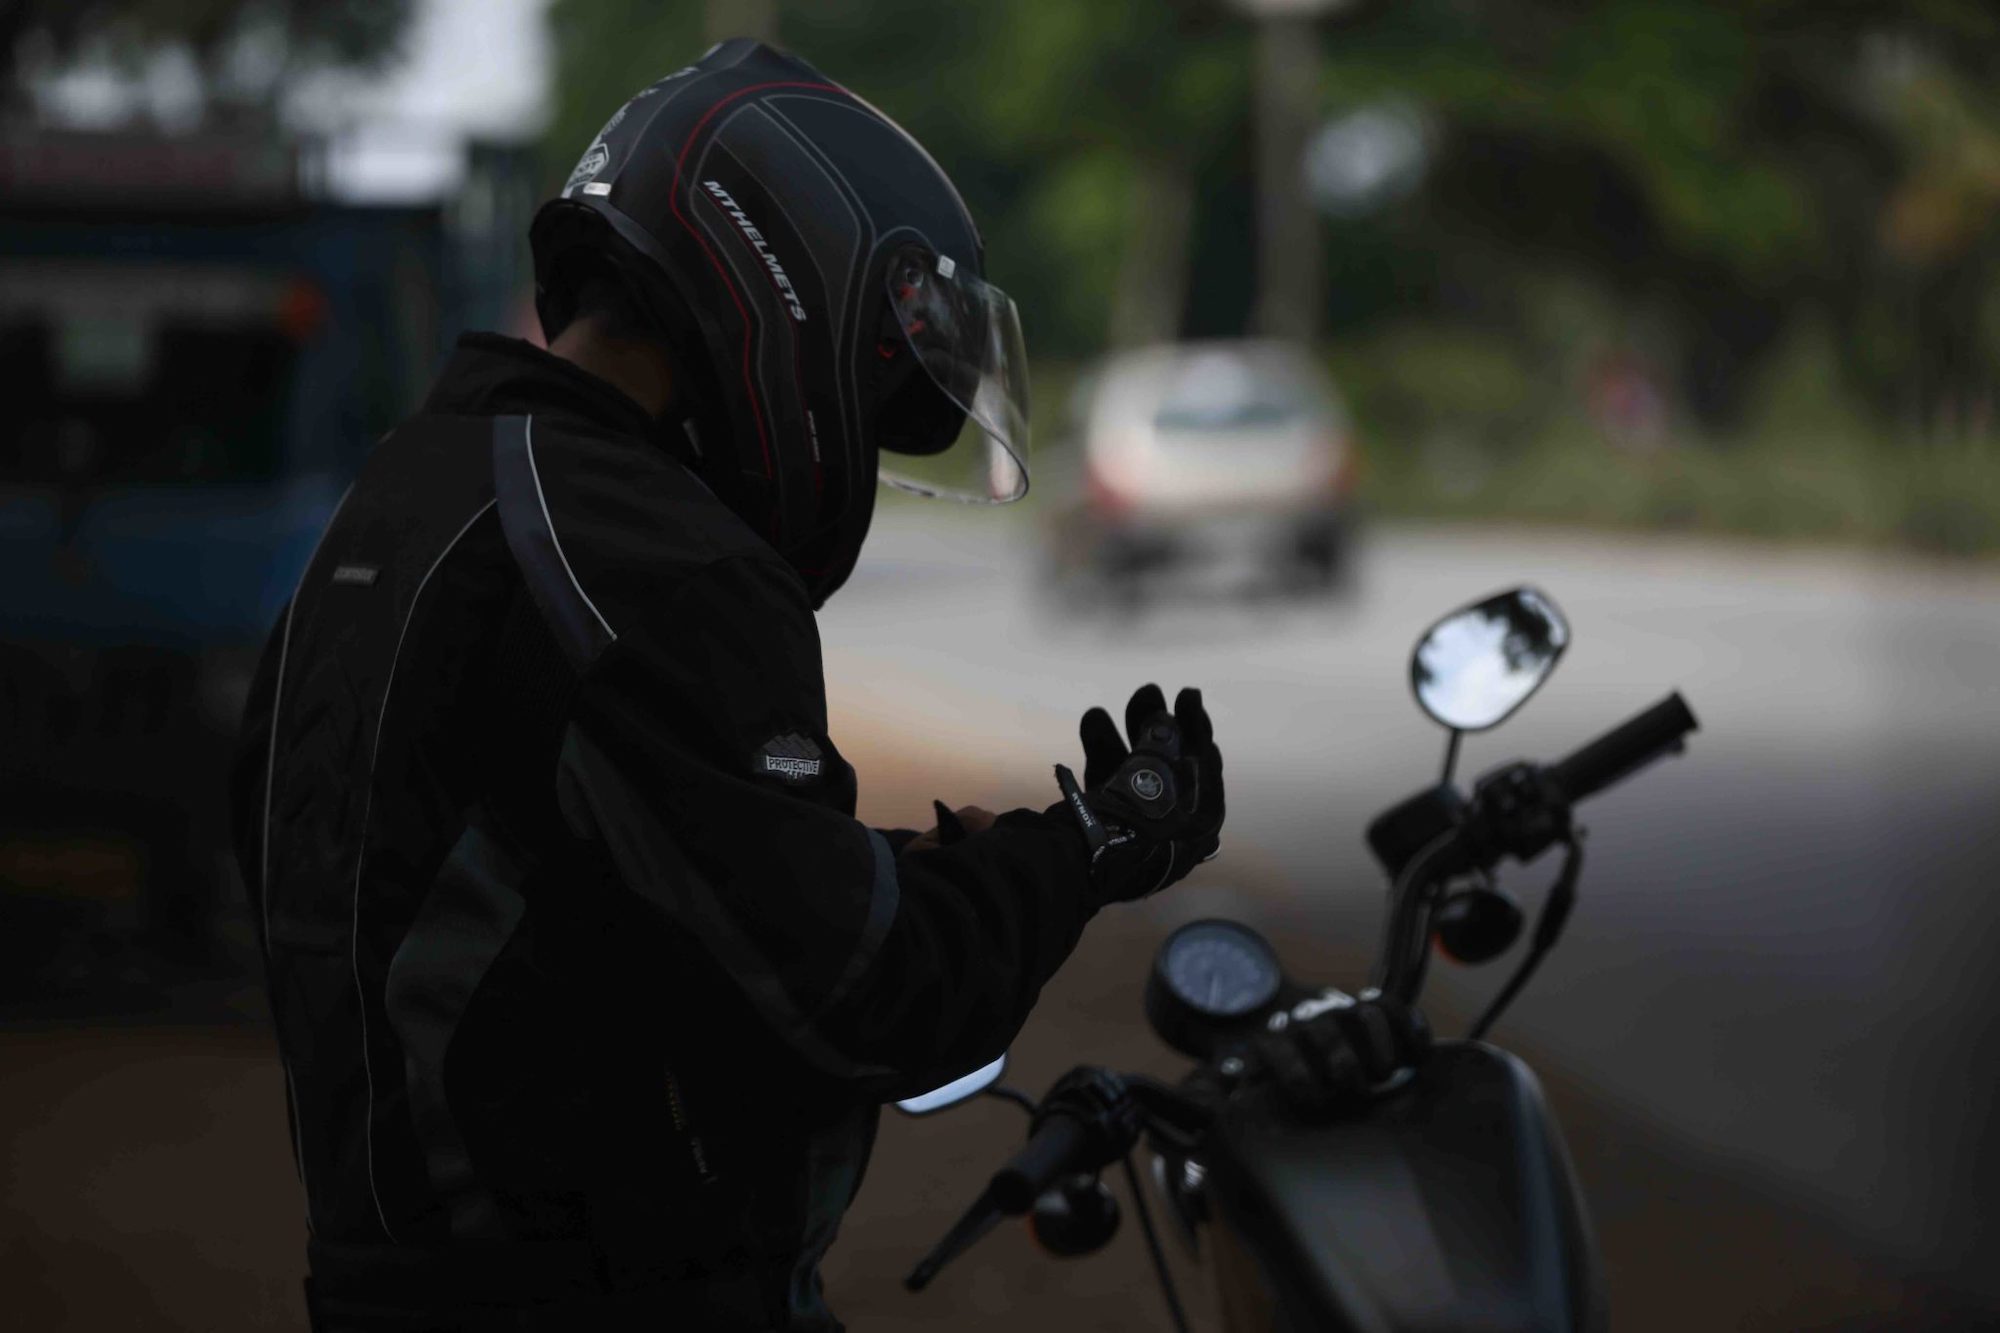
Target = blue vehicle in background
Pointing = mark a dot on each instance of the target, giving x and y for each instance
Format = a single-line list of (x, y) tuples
[(199, 353)]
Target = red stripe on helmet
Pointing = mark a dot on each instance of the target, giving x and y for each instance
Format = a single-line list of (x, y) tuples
[(674, 201)]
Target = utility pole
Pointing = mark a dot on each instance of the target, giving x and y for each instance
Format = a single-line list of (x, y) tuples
[(1149, 296), (1285, 90), (742, 18)]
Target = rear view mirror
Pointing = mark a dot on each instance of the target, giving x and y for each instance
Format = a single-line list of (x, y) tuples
[(956, 1091), (1472, 669)]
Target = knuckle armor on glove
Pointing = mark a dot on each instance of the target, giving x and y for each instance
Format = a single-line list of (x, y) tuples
[(1151, 813)]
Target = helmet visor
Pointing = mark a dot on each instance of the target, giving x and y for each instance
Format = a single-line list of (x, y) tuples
[(966, 335)]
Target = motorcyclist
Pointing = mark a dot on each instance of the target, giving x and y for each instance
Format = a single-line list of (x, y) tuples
[(587, 982)]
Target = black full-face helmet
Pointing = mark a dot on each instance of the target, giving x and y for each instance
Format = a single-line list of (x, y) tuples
[(822, 285)]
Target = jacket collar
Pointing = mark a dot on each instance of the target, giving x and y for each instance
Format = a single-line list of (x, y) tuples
[(491, 375)]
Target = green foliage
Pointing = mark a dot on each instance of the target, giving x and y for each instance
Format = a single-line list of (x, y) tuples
[(606, 50), (1706, 185), (1661, 87), (1037, 108), (1798, 488), (1414, 380), (1493, 443)]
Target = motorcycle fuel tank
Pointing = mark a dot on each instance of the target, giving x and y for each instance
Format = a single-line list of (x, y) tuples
[(1450, 1207)]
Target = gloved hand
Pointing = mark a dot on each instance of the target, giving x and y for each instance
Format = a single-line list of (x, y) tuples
[(1345, 1051), (952, 826), (1153, 812)]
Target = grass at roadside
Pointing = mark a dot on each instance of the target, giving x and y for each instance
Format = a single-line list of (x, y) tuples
[(1460, 423), (1937, 498), (1463, 425)]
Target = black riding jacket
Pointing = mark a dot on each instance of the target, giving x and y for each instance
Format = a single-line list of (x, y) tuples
[(588, 984)]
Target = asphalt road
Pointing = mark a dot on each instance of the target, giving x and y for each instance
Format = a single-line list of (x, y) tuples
[(1781, 973)]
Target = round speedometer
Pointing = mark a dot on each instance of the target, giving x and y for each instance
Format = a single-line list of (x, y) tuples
[(1209, 978), (1219, 968)]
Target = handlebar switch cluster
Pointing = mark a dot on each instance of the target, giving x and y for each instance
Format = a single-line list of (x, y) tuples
[(1516, 811), (1401, 833), (1099, 1099)]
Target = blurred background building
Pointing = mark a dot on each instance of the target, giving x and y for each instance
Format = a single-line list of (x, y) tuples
[(1343, 313)]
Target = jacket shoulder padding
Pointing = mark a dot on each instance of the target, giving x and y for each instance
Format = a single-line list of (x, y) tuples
[(607, 527)]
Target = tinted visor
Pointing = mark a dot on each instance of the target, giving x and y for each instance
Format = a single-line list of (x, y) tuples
[(966, 335)]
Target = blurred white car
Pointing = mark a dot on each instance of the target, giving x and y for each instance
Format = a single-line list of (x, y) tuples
[(1201, 454)]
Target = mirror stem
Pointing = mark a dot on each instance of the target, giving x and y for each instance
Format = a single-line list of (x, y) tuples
[(1450, 756)]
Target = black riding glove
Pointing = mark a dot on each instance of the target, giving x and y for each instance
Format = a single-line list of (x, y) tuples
[(1151, 813), (1345, 1051)]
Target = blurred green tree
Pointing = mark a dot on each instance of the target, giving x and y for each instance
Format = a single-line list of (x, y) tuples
[(1717, 175), (1075, 130), (1724, 170)]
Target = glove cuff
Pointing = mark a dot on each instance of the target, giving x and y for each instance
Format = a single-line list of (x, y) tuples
[(1095, 835), (1103, 842)]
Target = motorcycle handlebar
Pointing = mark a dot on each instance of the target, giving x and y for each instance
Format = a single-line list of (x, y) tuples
[(1632, 744), (1042, 1160)]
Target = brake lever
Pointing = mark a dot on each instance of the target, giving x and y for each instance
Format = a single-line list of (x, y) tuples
[(979, 1219), (1110, 1109)]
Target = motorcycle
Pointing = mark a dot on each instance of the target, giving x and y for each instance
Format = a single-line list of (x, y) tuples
[(1442, 1196)]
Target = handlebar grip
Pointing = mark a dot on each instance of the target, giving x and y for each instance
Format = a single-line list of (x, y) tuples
[(1638, 741), (1043, 1160)]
